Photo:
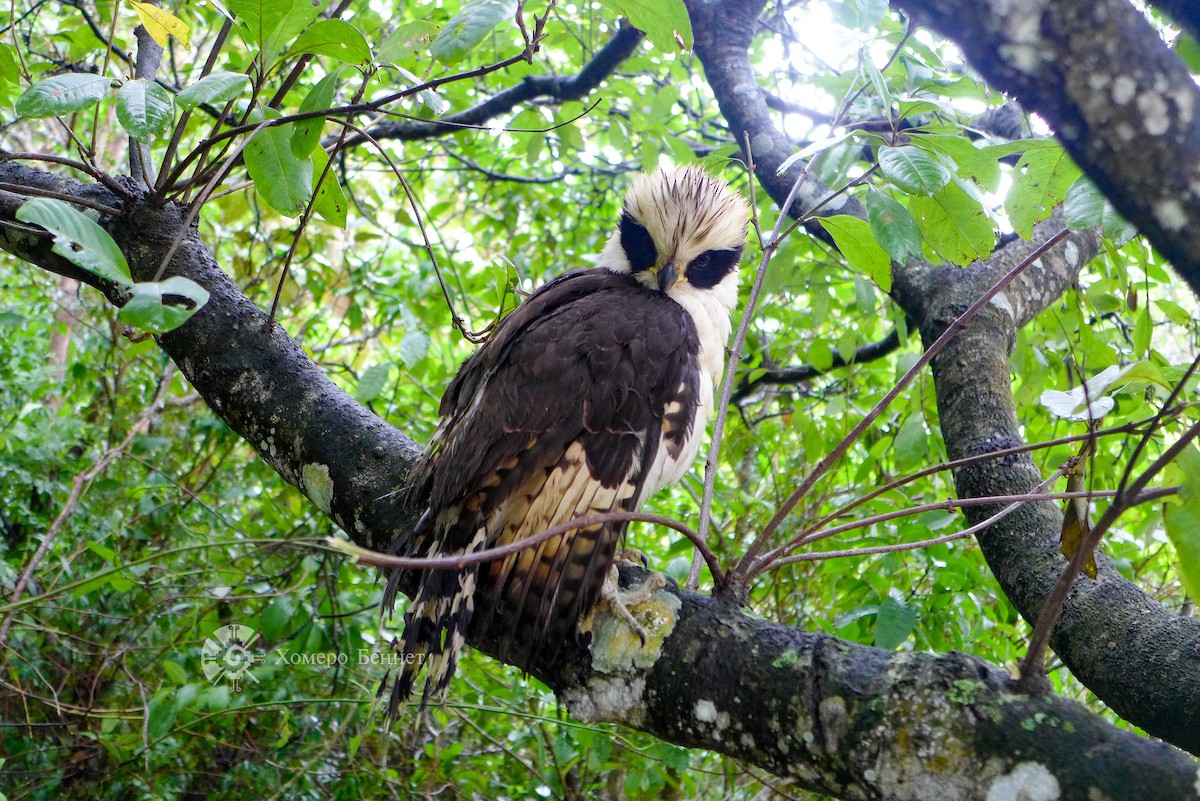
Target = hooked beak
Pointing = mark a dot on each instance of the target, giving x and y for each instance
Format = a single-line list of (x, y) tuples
[(668, 274)]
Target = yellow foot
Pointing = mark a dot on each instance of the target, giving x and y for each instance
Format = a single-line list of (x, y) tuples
[(618, 601)]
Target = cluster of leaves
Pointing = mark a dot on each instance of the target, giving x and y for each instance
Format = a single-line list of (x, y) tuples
[(188, 531)]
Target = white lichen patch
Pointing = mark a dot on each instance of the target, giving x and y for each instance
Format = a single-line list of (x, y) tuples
[(705, 711), (1028, 781), (1023, 57), (1184, 105), (608, 699), (314, 479), (1123, 90), (1002, 302), (1171, 215), (1155, 114), (833, 722), (1071, 253)]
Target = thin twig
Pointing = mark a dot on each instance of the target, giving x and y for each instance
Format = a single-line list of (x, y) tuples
[(750, 564), (459, 561)]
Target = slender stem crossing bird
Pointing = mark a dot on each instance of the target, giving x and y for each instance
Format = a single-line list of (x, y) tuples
[(589, 397)]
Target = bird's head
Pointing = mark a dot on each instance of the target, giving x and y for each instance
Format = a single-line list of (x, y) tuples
[(682, 230)]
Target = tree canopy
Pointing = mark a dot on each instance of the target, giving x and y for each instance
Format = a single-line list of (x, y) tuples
[(247, 245)]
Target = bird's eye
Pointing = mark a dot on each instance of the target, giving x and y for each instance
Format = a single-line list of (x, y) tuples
[(707, 269)]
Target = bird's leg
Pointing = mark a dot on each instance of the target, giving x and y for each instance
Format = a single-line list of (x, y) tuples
[(619, 601)]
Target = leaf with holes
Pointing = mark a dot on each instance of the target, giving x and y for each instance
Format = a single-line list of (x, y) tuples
[(1040, 182), (162, 306), (78, 239), (954, 224)]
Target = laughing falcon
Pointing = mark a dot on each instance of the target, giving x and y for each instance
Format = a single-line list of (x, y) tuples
[(589, 397)]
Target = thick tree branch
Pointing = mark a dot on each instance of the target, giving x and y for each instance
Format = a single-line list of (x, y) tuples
[(980, 409), (1138, 657), (1132, 124), (836, 717)]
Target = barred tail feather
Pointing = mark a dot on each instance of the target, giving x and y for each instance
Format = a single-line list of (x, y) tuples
[(435, 630)]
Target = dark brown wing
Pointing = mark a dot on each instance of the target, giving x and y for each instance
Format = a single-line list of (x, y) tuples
[(559, 414)]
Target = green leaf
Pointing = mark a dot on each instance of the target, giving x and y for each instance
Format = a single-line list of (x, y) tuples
[(473, 22), (335, 38), (275, 618), (856, 242), (78, 239), (893, 226), (665, 22), (217, 88), (307, 133), (372, 382), (331, 203), (913, 170), (894, 622), (1181, 517), (406, 40), (283, 180), (1084, 206), (271, 24), (1188, 49), (10, 72), (62, 94), (144, 109), (911, 443), (413, 347), (1143, 327), (812, 149), (160, 715), (954, 224), (820, 355), (175, 671), (163, 306), (1040, 182), (861, 14)]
